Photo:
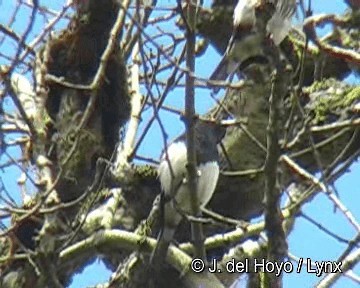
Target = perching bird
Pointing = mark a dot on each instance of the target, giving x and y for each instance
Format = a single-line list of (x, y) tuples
[(177, 199), (246, 41)]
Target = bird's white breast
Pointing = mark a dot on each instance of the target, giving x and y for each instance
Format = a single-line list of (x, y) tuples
[(207, 173), (177, 159), (207, 180), (244, 13)]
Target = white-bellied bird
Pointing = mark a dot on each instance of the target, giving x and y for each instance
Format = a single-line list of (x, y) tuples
[(247, 40), (172, 173)]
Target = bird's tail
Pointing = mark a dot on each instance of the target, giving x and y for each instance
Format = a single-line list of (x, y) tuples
[(278, 27), (158, 256), (223, 70), (280, 23)]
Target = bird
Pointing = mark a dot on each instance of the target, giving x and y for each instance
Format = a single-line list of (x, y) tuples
[(245, 44), (172, 174)]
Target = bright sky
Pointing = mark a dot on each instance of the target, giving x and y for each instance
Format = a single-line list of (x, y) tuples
[(306, 240)]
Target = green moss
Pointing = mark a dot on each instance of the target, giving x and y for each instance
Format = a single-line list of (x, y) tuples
[(331, 97), (80, 146), (145, 171), (41, 122), (352, 95)]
